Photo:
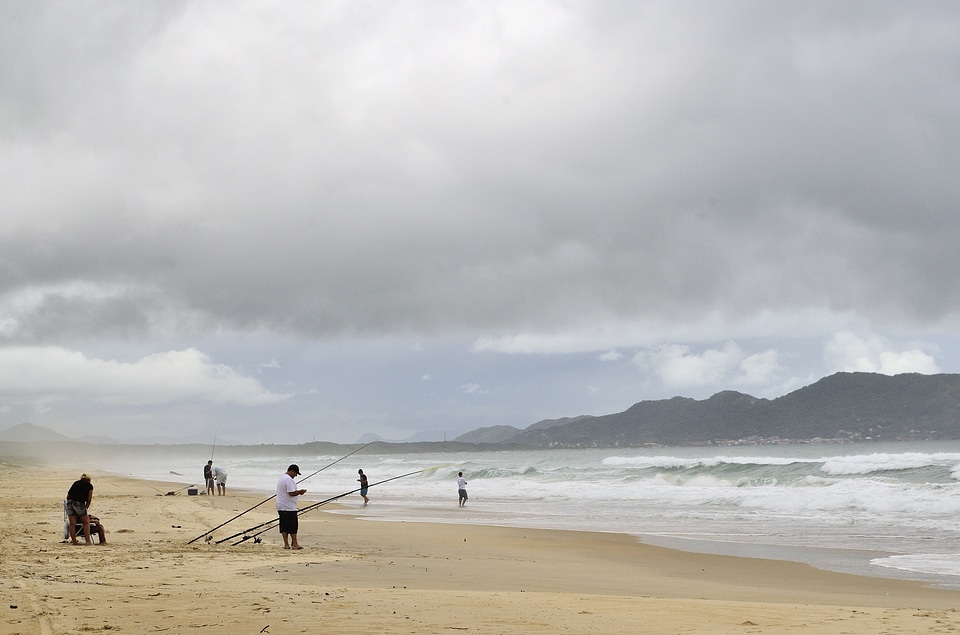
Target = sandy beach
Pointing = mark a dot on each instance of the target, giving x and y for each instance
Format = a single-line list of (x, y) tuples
[(356, 576)]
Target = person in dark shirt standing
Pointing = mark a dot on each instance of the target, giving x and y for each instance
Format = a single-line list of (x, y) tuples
[(364, 486), (208, 477), (79, 498)]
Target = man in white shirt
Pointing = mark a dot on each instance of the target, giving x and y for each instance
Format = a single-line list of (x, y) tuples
[(462, 489), (287, 506), (220, 476)]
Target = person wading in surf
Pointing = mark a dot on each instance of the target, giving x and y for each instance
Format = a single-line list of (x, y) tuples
[(363, 487), (462, 489)]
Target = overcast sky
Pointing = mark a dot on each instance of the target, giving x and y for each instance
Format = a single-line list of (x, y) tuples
[(274, 222)]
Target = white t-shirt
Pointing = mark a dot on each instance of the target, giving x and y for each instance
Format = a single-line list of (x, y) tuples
[(220, 474), (286, 502), (461, 483)]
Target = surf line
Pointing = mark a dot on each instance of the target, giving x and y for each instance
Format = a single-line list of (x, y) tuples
[(270, 524), (227, 522)]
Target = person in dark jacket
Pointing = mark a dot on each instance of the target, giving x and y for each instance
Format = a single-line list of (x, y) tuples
[(79, 498)]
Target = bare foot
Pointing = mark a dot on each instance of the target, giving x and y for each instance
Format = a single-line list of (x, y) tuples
[(297, 547)]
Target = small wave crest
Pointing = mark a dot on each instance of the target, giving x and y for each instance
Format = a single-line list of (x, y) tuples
[(667, 461), (883, 462)]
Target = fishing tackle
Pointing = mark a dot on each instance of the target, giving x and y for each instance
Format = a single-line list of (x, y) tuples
[(271, 498), (270, 524)]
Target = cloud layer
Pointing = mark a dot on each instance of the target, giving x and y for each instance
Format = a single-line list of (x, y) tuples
[(716, 196)]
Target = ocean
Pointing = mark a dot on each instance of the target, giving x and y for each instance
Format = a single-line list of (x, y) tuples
[(887, 510)]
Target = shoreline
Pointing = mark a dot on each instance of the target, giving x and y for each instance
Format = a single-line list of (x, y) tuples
[(834, 559), (401, 577), (853, 562)]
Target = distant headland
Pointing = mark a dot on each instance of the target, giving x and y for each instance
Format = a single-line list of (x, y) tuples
[(841, 408)]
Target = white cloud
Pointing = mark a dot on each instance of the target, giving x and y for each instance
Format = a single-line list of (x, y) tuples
[(678, 366), (847, 351), (610, 356), (759, 368), (650, 330), (49, 374), (8, 326), (473, 389)]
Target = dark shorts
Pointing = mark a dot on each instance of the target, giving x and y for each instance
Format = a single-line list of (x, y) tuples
[(289, 522), (76, 508), (463, 494), (363, 491)]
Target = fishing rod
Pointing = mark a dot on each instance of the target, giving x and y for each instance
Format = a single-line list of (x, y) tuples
[(335, 462), (313, 506), (214, 448), (270, 524), (271, 498)]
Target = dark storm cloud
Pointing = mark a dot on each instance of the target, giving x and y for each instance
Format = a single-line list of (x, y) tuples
[(482, 169)]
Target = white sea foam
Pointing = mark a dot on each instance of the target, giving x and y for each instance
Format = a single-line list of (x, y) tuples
[(866, 464), (666, 462), (946, 564)]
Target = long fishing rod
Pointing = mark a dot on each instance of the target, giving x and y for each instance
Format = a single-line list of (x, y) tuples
[(313, 506), (270, 524), (271, 498), (214, 448), (335, 462)]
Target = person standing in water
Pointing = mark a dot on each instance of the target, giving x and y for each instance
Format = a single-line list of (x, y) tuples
[(462, 489), (363, 487)]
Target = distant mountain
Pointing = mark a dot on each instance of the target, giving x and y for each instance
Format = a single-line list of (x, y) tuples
[(841, 407), (418, 437), (502, 434), (29, 433), (493, 434), (552, 423), (425, 435)]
